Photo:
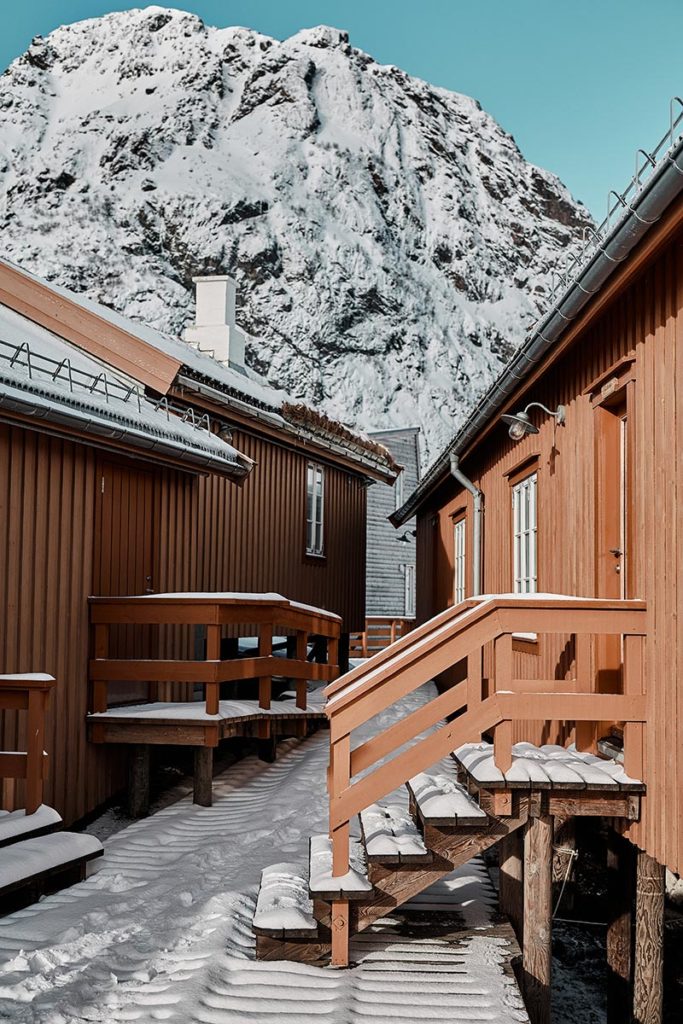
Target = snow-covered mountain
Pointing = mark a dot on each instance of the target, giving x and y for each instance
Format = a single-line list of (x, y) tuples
[(389, 240)]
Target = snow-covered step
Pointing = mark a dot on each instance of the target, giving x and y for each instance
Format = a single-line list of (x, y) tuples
[(392, 837), (354, 885), (549, 766), (439, 799), (284, 908), (16, 825), (33, 859)]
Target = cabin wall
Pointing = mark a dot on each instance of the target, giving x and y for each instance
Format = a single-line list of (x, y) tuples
[(644, 320), (253, 537)]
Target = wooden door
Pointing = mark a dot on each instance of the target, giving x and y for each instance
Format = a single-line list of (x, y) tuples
[(124, 558)]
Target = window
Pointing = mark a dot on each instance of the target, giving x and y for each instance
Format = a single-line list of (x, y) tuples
[(398, 491), (524, 535), (409, 599), (315, 498), (459, 561)]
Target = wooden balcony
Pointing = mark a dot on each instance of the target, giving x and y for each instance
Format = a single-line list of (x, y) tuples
[(172, 710)]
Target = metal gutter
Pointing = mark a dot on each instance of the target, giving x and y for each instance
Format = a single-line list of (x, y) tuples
[(655, 195)]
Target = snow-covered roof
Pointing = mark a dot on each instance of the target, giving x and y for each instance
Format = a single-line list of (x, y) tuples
[(238, 388), (45, 377)]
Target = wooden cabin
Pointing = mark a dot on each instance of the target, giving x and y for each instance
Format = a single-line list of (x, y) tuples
[(565, 480), (134, 463), (549, 553)]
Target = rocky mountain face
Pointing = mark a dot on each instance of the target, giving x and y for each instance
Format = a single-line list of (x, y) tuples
[(389, 240)]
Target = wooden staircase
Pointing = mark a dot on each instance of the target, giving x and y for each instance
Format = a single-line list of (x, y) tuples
[(466, 784)]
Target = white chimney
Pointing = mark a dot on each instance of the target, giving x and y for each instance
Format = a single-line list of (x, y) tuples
[(214, 329)]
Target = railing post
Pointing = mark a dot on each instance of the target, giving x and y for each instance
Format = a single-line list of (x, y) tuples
[(584, 733), (502, 735), (265, 650), (393, 631), (301, 656), (99, 692), (474, 678), (340, 776), (364, 641), (634, 732), (35, 739), (213, 653), (333, 652)]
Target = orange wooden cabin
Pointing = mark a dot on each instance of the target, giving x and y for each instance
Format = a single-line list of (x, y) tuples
[(579, 495)]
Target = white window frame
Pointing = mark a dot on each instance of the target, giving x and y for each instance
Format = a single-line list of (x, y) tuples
[(398, 491), (409, 591), (460, 560), (525, 535), (315, 509)]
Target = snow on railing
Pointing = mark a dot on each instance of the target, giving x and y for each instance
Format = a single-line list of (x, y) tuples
[(43, 368)]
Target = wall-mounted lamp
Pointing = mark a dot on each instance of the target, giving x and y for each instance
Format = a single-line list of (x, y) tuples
[(520, 422), (406, 537), (225, 433)]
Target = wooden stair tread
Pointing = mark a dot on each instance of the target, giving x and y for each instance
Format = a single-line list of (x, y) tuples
[(354, 885), (284, 908), (545, 767), (439, 799), (18, 825), (392, 837), (32, 859)]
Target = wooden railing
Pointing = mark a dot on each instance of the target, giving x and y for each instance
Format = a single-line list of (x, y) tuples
[(27, 693), (380, 631), (217, 613), (462, 632)]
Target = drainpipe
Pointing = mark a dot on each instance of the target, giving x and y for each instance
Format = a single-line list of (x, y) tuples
[(458, 475)]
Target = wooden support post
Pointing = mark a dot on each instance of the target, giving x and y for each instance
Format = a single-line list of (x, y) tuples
[(101, 650), (502, 736), (138, 781), (301, 655), (340, 933), (35, 742), (213, 653), (634, 732), (339, 777), (267, 749), (648, 999), (474, 679), (585, 731), (203, 776), (333, 653), (619, 927), (511, 880), (537, 955), (265, 650)]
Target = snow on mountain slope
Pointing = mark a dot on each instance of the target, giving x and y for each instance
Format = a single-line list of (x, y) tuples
[(389, 240)]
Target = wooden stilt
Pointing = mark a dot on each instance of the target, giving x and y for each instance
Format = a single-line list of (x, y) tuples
[(340, 933), (619, 926), (203, 776), (537, 949), (511, 865), (138, 781), (648, 962), (267, 749)]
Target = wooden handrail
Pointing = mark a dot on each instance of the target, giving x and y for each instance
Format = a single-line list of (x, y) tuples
[(213, 611), (452, 636)]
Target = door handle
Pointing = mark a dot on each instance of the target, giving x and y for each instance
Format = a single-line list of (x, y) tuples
[(149, 588), (617, 552)]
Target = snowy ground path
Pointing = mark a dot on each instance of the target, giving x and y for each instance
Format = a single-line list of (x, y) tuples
[(162, 931)]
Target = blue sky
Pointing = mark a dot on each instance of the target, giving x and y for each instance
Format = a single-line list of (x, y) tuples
[(581, 84)]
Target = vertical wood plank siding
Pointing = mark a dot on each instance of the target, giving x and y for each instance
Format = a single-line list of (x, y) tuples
[(644, 320), (60, 542)]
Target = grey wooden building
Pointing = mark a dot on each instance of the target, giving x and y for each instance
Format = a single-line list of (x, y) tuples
[(390, 588)]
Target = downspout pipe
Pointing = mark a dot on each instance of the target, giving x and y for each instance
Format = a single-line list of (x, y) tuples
[(478, 498)]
